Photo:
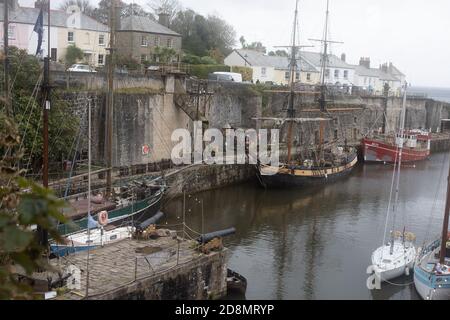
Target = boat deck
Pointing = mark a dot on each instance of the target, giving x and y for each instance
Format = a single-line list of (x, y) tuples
[(79, 208)]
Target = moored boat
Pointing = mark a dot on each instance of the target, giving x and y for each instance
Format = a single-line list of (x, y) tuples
[(385, 148)]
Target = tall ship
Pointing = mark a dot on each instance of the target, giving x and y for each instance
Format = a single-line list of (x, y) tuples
[(384, 147), (327, 162)]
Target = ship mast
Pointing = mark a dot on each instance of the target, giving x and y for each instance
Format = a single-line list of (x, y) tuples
[(110, 97), (324, 66), (293, 68)]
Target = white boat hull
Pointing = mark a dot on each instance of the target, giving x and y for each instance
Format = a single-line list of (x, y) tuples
[(426, 292), (387, 266)]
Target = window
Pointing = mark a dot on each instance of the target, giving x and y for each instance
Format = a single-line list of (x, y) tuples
[(70, 37), (12, 32), (336, 134), (336, 74), (101, 40), (157, 41), (346, 74), (144, 58), (286, 75), (169, 43), (327, 73), (54, 54), (144, 41), (263, 71), (297, 76), (308, 76), (101, 59)]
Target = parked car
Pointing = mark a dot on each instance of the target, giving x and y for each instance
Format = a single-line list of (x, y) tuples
[(153, 68), (225, 76), (81, 68)]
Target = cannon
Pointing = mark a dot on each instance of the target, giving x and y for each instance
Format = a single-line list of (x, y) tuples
[(204, 238), (153, 220)]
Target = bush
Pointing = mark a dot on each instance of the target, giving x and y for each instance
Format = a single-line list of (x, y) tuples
[(246, 72), (73, 55), (207, 60), (203, 70)]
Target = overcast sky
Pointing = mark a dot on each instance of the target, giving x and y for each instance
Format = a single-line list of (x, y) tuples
[(413, 34)]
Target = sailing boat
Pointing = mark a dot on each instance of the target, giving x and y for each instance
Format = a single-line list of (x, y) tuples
[(324, 165), (432, 269), (395, 258), (95, 235)]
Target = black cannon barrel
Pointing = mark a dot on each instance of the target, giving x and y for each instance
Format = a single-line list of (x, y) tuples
[(153, 220), (217, 234)]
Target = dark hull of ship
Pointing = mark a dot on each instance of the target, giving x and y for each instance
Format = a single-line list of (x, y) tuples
[(286, 180)]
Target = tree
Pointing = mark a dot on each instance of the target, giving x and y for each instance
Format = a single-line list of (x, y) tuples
[(22, 205), (84, 5), (164, 55), (102, 12), (169, 7), (200, 34), (243, 42), (73, 55), (279, 53), (63, 125), (257, 46)]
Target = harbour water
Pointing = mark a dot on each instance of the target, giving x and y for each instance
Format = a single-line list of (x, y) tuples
[(317, 243), (440, 94)]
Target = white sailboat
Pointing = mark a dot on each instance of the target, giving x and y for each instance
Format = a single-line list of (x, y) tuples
[(397, 257)]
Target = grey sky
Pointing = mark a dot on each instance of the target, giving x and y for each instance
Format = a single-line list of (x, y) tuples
[(413, 34)]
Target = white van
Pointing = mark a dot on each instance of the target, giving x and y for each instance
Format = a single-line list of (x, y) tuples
[(236, 77)]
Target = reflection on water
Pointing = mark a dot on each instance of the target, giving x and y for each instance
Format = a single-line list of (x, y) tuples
[(316, 243)]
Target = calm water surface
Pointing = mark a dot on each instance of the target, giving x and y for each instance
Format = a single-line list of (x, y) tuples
[(316, 244)]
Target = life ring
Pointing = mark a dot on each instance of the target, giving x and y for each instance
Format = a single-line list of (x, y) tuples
[(103, 218)]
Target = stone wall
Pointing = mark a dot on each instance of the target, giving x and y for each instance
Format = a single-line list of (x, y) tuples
[(202, 279)]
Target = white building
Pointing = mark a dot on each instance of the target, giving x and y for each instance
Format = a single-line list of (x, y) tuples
[(373, 80)]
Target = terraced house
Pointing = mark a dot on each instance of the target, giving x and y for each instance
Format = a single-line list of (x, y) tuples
[(70, 27), (138, 37)]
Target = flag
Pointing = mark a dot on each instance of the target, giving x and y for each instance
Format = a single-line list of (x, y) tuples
[(39, 29), (92, 224)]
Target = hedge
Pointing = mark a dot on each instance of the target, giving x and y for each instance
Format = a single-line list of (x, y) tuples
[(247, 73), (203, 70)]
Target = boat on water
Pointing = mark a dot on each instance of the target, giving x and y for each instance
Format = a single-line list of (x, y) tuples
[(432, 268), (236, 283), (384, 148), (313, 167), (134, 203), (395, 258)]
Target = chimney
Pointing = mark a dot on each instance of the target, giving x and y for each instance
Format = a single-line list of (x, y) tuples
[(164, 19), (365, 62), (14, 5), (384, 67), (343, 57), (41, 4)]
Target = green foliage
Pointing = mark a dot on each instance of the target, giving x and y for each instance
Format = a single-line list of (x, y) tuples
[(200, 34), (279, 53), (101, 12), (22, 205), (203, 70), (164, 55), (207, 60), (63, 125), (127, 62), (73, 55), (246, 72)]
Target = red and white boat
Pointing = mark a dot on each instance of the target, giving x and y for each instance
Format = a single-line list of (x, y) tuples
[(386, 148)]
